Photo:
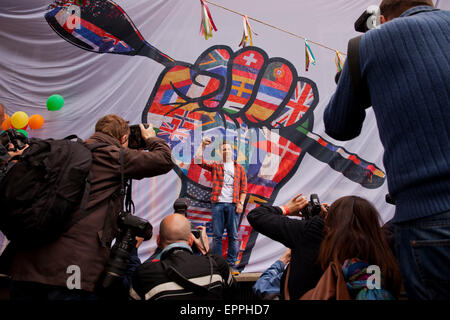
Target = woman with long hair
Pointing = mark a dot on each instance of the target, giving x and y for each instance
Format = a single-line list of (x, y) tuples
[(354, 239), (348, 233)]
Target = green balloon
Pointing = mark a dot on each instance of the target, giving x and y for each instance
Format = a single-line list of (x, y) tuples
[(23, 132), (55, 102)]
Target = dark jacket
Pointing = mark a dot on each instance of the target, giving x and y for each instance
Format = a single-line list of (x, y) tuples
[(150, 281), (81, 245), (303, 237)]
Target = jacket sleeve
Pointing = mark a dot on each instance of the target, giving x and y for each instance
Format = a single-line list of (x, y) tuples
[(343, 116), (269, 281), (139, 164), (230, 285), (243, 182), (269, 221), (132, 266), (4, 155)]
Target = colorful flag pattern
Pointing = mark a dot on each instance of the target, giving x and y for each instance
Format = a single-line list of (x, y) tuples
[(258, 103), (264, 108)]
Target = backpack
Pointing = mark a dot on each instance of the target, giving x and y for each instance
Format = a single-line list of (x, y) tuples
[(42, 190)]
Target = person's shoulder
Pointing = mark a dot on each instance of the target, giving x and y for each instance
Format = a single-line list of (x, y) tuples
[(149, 267), (218, 259)]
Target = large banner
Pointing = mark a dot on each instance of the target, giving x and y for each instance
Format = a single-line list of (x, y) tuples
[(147, 62)]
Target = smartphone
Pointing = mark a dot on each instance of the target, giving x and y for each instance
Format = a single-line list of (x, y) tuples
[(135, 140)]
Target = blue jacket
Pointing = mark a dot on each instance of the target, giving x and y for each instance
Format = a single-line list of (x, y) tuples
[(270, 281), (406, 66)]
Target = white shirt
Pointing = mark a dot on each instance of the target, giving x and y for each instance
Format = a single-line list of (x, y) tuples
[(226, 194)]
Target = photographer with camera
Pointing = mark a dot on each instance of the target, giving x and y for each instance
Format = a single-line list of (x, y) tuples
[(303, 237), (12, 143), (47, 271), (401, 69), (349, 229), (179, 274)]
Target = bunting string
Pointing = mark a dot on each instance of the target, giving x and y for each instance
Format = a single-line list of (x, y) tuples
[(271, 26)]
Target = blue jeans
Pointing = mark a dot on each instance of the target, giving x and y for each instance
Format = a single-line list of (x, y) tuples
[(423, 253), (224, 216)]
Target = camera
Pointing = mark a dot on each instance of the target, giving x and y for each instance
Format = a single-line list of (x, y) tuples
[(313, 208), (14, 137), (130, 227), (135, 140), (180, 206), (369, 19)]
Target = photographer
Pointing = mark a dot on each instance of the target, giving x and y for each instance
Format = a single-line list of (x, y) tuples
[(303, 237), (6, 151), (180, 274), (405, 76), (43, 273), (349, 231)]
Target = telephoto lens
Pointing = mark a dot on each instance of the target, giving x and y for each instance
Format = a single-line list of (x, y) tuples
[(130, 228)]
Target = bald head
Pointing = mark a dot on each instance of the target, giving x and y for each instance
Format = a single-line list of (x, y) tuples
[(174, 228)]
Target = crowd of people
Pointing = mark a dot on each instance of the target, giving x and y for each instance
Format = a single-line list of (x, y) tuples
[(341, 252)]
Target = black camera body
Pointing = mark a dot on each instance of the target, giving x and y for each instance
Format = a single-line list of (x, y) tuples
[(135, 140), (313, 208), (180, 206), (368, 20), (130, 227), (14, 137)]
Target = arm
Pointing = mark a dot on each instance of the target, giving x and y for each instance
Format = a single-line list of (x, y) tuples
[(344, 116), (198, 157), (270, 222), (156, 161), (269, 281), (242, 191), (4, 156), (132, 266), (230, 285)]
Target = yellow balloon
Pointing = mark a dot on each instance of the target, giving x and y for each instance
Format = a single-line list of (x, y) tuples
[(19, 120)]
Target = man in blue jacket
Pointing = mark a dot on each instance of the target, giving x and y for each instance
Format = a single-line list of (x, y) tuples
[(405, 64)]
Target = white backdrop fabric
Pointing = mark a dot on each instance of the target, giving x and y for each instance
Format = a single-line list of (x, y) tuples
[(36, 63)]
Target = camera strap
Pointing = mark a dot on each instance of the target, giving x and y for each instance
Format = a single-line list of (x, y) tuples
[(174, 275), (126, 187), (359, 86)]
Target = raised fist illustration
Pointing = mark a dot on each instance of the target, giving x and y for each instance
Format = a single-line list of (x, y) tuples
[(262, 107), (258, 104)]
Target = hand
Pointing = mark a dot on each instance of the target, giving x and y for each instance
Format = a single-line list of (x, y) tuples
[(286, 257), (139, 241), (147, 133), (206, 141), (325, 207), (296, 204), (239, 208), (203, 237), (17, 152)]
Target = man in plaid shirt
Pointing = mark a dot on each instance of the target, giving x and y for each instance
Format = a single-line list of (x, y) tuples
[(229, 189)]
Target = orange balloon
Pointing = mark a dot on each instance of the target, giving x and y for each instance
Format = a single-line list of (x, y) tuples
[(36, 121), (6, 124)]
